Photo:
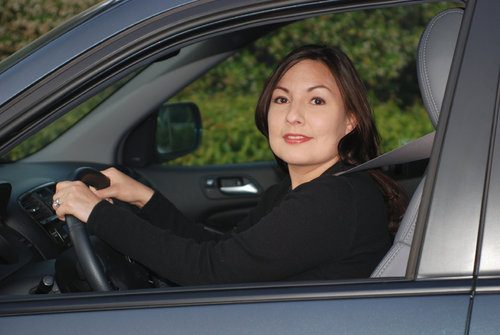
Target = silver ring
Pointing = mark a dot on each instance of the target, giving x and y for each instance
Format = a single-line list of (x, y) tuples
[(56, 204)]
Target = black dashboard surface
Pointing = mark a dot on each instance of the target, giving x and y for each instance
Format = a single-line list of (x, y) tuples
[(29, 230)]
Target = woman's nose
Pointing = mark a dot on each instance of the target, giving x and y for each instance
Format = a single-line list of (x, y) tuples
[(295, 114)]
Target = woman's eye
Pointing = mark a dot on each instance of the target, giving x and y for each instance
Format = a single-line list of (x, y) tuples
[(317, 101), (280, 100)]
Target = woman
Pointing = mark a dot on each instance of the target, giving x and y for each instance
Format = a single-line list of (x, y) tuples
[(313, 225)]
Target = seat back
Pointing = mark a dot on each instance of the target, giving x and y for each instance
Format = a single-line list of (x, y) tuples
[(434, 57)]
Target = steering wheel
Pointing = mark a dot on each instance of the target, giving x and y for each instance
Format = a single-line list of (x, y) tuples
[(91, 267)]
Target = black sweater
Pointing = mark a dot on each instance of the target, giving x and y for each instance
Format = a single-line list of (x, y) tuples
[(329, 228)]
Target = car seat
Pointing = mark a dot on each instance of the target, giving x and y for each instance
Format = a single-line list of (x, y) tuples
[(434, 56)]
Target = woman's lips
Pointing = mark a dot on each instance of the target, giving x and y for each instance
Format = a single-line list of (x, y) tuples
[(296, 138)]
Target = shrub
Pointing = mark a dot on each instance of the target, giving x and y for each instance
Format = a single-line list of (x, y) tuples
[(22, 21)]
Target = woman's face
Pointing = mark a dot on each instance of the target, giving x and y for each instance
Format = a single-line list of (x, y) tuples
[(307, 117)]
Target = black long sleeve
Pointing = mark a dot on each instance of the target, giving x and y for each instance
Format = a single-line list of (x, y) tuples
[(161, 212), (331, 227)]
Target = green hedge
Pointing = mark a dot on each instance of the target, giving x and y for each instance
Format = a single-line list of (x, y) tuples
[(22, 21)]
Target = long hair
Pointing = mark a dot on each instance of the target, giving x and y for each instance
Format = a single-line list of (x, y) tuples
[(358, 146)]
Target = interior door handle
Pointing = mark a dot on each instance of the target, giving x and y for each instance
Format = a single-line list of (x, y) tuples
[(240, 189)]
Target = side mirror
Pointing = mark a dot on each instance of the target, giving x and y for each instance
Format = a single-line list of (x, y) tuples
[(178, 130)]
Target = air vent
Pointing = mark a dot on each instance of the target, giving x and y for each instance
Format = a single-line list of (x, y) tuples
[(38, 203)]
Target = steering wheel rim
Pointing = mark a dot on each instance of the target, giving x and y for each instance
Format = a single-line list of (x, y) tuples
[(91, 267)]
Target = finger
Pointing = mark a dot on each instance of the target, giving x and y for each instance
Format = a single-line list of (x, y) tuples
[(61, 217), (95, 191), (57, 197), (108, 192), (69, 186), (60, 212), (112, 173), (61, 185)]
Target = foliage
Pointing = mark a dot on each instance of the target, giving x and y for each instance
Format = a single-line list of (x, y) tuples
[(22, 21), (399, 126)]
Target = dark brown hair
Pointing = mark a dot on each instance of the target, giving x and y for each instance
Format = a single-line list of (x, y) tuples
[(362, 143)]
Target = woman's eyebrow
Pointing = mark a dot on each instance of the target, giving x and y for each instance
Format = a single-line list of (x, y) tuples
[(317, 87), (312, 88), (281, 88)]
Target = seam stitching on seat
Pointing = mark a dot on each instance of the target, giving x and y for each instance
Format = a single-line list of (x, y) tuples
[(386, 264), (423, 55)]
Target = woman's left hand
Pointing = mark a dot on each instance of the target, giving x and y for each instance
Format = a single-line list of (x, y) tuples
[(74, 198)]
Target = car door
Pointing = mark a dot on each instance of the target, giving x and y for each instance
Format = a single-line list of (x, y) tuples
[(471, 127), (341, 308), (486, 306)]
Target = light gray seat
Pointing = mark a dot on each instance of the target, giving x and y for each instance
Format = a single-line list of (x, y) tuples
[(435, 54)]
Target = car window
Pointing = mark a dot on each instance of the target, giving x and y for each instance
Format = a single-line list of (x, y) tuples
[(382, 44)]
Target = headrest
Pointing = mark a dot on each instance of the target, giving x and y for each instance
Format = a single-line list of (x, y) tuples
[(435, 53)]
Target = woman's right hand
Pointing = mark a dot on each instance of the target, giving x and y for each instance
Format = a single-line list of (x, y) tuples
[(125, 188)]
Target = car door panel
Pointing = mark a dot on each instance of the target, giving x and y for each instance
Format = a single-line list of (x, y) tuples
[(383, 316), (383, 308), (484, 316), (219, 195)]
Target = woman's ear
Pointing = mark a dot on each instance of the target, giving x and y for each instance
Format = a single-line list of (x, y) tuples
[(351, 123)]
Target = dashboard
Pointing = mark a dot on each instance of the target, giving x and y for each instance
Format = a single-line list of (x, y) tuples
[(38, 204), (31, 235)]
